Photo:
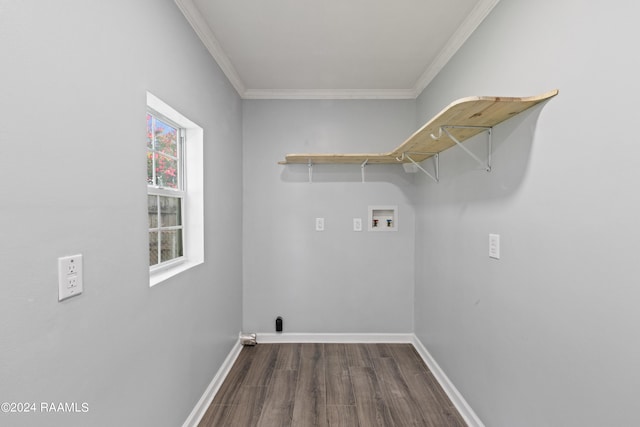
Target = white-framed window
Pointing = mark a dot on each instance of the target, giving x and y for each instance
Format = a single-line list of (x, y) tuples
[(174, 191), (166, 190)]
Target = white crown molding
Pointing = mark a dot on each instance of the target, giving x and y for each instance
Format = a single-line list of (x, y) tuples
[(330, 94), (199, 25), (468, 26), (204, 32)]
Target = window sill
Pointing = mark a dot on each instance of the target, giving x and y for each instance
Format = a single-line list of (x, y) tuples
[(157, 277)]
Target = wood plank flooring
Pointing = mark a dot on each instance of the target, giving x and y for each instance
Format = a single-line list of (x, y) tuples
[(330, 385)]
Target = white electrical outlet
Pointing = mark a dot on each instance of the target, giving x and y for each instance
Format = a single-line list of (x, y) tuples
[(494, 246), (357, 224), (69, 276), (319, 224)]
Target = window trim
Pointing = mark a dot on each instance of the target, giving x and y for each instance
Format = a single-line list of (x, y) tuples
[(192, 190)]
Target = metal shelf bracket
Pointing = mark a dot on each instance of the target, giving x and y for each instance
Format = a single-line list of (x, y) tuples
[(436, 157), (485, 165), (362, 166)]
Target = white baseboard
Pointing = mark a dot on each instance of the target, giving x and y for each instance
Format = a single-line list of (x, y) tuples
[(271, 337), (456, 398), (203, 404)]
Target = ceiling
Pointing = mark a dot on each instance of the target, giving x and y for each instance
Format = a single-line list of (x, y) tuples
[(333, 49)]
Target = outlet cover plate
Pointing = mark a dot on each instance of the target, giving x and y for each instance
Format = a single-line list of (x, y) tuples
[(69, 276), (494, 246)]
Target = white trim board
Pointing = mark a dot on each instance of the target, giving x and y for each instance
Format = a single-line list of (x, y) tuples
[(452, 392), (329, 94), (449, 388), (201, 407), (201, 28), (469, 25), (271, 338)]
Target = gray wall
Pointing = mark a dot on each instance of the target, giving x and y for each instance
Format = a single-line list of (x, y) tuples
[(546, 336), (73, 80), (336, 281)]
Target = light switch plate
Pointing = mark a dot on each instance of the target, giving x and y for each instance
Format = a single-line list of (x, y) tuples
[(319, 224), (357, 224), (494, 246)]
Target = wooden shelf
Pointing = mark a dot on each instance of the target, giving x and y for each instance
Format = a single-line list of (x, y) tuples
[(462, 119)]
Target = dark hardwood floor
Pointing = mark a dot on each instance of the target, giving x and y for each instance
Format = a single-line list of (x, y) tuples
[(330, 385)]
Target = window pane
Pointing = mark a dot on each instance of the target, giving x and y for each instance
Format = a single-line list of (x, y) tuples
[(152, 202), (166, 138), (166, 171), (153, 248), (171, 245), (170, 211)]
